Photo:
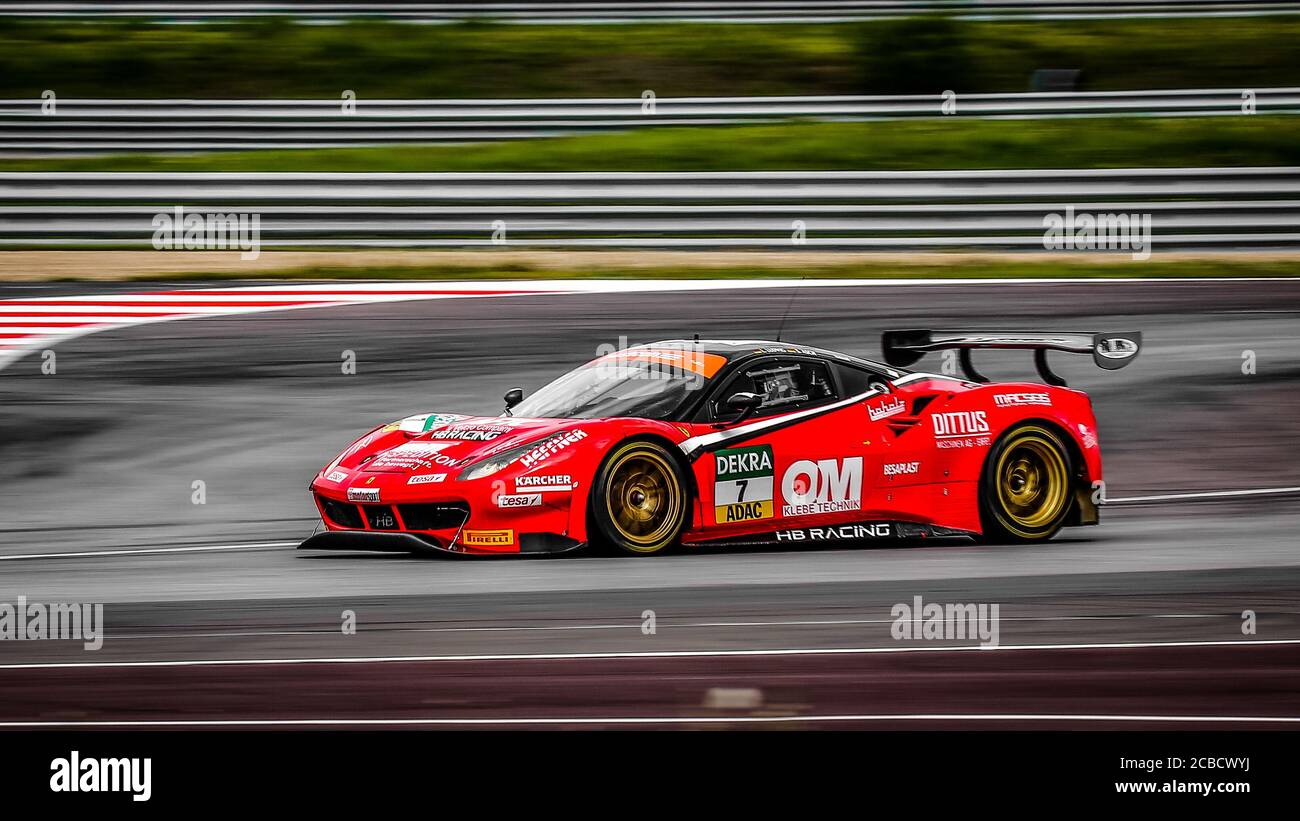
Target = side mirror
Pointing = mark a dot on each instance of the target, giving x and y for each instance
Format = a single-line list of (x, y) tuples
[(513, 397), (744, 402)]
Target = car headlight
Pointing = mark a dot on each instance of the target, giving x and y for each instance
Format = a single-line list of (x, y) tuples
[(495, 463)]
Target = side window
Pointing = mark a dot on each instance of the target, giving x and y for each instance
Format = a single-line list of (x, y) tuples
[(854, 380), (785, 385)]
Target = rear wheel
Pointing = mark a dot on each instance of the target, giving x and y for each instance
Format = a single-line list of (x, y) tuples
[(1025, 490), (638, 501)]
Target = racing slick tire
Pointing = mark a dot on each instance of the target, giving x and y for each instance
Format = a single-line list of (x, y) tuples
[(1025, 489), (639, 501)]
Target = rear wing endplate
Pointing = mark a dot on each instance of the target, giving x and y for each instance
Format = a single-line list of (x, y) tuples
[(1109, 351)]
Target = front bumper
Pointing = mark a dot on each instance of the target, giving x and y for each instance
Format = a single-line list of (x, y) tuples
[(383, 542), (448, 525)]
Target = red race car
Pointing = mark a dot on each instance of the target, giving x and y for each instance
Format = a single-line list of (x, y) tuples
[(735, 443)]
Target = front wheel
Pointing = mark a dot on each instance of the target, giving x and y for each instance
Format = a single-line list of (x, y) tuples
[(1025, 489), (638, 500)]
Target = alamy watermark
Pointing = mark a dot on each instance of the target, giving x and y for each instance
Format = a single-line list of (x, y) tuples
[(90, 774), (34, 621), (679, 361), (931, 621), (181, 231), (1085, 231)]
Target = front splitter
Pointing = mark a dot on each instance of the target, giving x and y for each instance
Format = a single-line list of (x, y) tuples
[(354, 540), (367, 540)]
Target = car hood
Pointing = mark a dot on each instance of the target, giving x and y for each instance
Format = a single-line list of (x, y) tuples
[(443, 440)]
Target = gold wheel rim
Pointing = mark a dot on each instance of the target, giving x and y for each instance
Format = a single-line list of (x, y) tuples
[(1032, 481), (643, 499)]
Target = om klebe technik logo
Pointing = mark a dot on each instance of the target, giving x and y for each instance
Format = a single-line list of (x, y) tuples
[(742, 490)]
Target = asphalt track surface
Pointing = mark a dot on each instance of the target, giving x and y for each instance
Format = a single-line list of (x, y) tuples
[(240, 627)]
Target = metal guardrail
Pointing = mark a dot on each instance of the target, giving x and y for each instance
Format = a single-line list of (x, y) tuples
[(1188, 208), (708, 11), (100, 126)]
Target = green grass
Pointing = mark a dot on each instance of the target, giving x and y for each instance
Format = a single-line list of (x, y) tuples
[(959, 267), (1263, 140), (278, 59)]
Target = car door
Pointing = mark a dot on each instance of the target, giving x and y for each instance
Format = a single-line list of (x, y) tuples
[(804, 457), (904, 478)]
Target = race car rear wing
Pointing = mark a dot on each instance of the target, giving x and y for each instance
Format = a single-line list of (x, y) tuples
[(1109, 351)]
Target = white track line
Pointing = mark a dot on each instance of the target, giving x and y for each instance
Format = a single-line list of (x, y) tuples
[(642, 720), (147, 550), (663, 654), (637, 626), (1214, 494)]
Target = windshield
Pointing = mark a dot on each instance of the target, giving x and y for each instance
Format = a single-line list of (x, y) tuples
[(649, 384)]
